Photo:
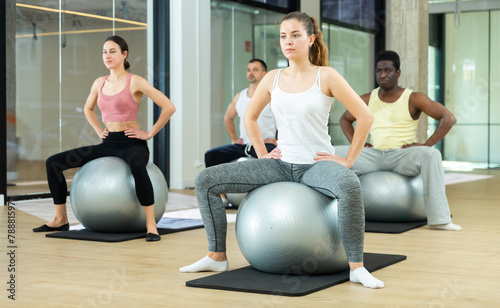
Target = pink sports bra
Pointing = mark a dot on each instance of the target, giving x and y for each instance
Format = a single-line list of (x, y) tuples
[(120, 107)]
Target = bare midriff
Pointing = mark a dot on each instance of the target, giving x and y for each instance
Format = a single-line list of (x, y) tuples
[(121, 126)]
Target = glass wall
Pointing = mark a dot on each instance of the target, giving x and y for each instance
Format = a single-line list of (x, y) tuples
[(472, 87), (239, 34), (279, 3), (349, 29), (494, 89), (57, 54), (434, 88), (351, 54), (361, 13)]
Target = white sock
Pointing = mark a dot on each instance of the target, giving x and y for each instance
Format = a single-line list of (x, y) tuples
[(206, 264), (361, 275), (448, 227)]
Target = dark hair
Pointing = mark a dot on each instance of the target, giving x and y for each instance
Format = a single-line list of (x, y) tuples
[(388, 55), (318, 54), (123, 47), (264, 66)]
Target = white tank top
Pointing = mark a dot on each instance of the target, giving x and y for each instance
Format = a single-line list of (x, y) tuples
[(266, 120), (302, 121)]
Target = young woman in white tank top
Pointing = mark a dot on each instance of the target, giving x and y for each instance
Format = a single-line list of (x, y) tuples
[(301, 96)]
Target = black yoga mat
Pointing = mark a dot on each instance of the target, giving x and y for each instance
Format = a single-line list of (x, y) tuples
[(165, 226), (248, 279), (392, 227)]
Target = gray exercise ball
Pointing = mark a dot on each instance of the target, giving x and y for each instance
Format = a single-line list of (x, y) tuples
[(235, 199), (392, 197), (290, 228), (103, 196)]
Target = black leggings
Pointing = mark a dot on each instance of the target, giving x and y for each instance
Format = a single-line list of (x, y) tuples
[(134, 151)]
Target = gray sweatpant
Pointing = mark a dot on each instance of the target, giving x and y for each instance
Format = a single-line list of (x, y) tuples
[(411, 161), (329, 178)]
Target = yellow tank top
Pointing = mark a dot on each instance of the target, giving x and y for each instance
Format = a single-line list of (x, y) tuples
[(393, 126)]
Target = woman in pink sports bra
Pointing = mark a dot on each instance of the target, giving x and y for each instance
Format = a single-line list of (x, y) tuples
[(118, 96)]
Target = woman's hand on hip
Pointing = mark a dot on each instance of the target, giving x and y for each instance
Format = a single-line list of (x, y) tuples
[(274, 154), (323, 156), (104, 133), (136, 133)]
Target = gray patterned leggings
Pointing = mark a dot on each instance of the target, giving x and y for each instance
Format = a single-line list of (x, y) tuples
[(329, 178)]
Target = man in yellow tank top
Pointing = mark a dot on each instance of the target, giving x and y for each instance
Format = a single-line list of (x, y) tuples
[(393, 145)]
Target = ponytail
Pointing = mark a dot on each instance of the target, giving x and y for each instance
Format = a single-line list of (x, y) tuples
[(318, 53)]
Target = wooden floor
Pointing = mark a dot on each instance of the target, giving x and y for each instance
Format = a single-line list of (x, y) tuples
[(443, 269)]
